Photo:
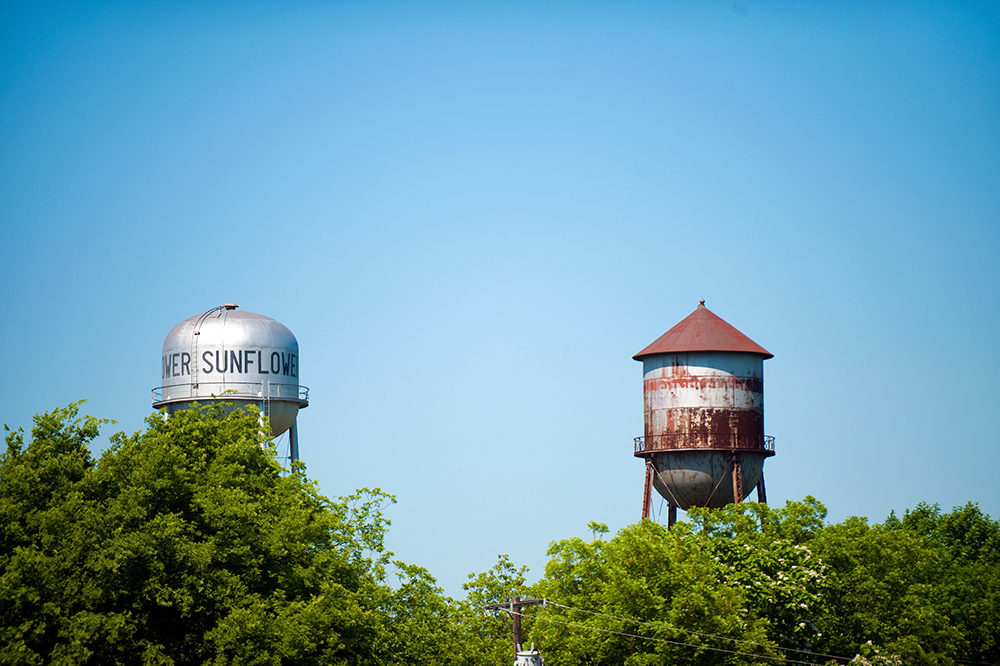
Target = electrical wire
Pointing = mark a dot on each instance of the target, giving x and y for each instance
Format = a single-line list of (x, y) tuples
[(783, 660), (659, 625)]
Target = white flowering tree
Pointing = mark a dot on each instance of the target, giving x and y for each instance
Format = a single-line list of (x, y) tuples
[(764, 552), (646, 596), (870, 655)]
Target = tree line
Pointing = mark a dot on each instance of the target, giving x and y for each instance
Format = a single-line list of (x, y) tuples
[(187, 543)]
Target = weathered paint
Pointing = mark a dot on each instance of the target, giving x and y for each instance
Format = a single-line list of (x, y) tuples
[(704, 478), (703, 330), (703, 395), (703, 400), (235, 356)]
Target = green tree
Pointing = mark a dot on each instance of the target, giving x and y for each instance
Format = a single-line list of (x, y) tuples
[(182, 544), (765, 553), (188, 544), (40, 501), (889, 587), (645, 596), (423, 624), (426, 627), (924, 589), (970, 585), (921, 590), (491, 634)]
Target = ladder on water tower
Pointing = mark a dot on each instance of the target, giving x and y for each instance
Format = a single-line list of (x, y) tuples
[(265, 402), (194, 345)]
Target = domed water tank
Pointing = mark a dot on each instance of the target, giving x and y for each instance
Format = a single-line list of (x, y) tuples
[(235, 356), (703, 394)]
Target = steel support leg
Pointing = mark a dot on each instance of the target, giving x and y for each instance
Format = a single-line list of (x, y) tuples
[(737, 480), (293, 441), (647, 490), (761, 493)]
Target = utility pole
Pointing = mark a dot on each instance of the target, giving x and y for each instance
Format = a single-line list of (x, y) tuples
[(513, 607)]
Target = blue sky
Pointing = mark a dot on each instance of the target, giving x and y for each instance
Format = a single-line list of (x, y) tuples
[(472, 214)]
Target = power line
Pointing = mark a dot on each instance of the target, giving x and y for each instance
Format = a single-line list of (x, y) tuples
[(580, 625), (665, 640), (660, 625)]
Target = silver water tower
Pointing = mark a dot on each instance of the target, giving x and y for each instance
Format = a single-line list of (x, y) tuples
[(234, 356)]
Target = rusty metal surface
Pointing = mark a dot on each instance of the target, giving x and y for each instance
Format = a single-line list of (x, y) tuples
[(703, 403), (647, 491), (703, 330), (643, 449), (704, 478), (703, 400)]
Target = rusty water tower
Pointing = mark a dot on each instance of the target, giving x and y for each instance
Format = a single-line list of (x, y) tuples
[(234, 356), (703, 388)]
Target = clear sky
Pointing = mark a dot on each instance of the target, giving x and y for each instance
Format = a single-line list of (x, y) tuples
[(472, 215)]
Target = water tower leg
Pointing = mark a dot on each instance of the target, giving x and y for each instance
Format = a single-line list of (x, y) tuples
[(293, 441), (761, 493), (647, 491), (737, 480), (671, 514)]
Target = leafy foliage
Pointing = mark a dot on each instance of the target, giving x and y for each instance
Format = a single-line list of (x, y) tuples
[(646, 596), (181, 544), (188, 544), (491, 633), (750, 580), (764, 552)]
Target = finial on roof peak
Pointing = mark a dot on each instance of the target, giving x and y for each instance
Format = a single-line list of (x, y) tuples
[(701, 302)]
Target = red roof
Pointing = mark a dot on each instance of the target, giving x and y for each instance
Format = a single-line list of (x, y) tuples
[(702, 330)]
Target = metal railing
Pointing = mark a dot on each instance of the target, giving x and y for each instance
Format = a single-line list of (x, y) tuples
[(233, 390), (678, 441)]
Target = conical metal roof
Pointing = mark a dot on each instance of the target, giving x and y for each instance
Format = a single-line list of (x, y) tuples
[(703, 330)]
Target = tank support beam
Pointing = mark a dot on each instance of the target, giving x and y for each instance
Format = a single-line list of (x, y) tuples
[(737, 480), (647, 490), (293, 441), (761, 493), (671, 514)]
